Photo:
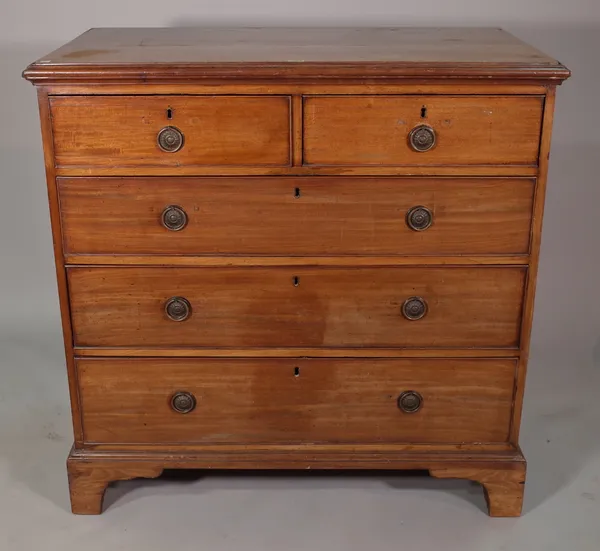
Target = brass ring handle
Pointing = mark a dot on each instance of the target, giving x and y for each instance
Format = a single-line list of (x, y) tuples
[(170, 139), (419, 218), (178, 308), (414, 308), (174, 218), (410, 401), (183, 402), (422, 138)]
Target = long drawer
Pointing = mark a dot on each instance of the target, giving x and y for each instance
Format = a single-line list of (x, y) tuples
[(295, 400), (422, 130), (297, 306), (170, 131), (296, 216)]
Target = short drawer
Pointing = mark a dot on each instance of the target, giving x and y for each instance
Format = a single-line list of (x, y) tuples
[(422, 130), (296, 216), (296, 306), (262, 401), (170, 131)]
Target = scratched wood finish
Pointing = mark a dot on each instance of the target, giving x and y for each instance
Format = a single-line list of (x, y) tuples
[(373, 130), (61, 274), (307, 216), (256, 260), (186, 54), (121, 131), (503, 488), (298, 89), (253, 307), (315, 352), (326, 111), (88, 482), (303, 170), (306, 450), (529, 297), (502, 474), (334, 401)]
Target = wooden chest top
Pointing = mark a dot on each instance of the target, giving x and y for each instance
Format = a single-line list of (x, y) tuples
[(186, 53)]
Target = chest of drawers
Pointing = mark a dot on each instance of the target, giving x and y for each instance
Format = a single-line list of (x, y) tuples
[(296, 249)]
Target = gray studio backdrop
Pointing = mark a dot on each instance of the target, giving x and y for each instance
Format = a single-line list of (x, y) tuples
[(561, 418)]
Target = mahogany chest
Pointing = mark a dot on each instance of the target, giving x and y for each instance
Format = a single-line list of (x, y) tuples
[(296, 248)]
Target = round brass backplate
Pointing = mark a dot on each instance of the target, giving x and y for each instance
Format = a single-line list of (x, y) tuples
[(170, 139), (183, 402), (410, 401), (422, 138)]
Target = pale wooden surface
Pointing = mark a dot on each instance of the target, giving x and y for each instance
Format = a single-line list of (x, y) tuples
[(364, 134), (296, 45), (264, 401), (88, 482), (256, 260), (187, 54), (503, 488), (330, 307), (502, 473), (59, 259), (373, 130), (315, 352), (536, 234), (121, 131), (493, 170), (307, 216)]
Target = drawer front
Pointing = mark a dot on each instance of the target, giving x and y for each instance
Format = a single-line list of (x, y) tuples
[(288, 400), (293, 307), (123, 131), (296, 216), (374, 130)]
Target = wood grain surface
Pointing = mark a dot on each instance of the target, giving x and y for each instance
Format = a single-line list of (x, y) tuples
[(184, 54), (373, 130), (296, 174), (121, 131), (329, 307), (295, 400), (306, 216), (502, 473), (503, 488)]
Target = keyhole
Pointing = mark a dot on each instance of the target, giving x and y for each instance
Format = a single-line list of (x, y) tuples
[(296, 281), (423, 112), (296, 372), (297, 192), (169, 113)]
